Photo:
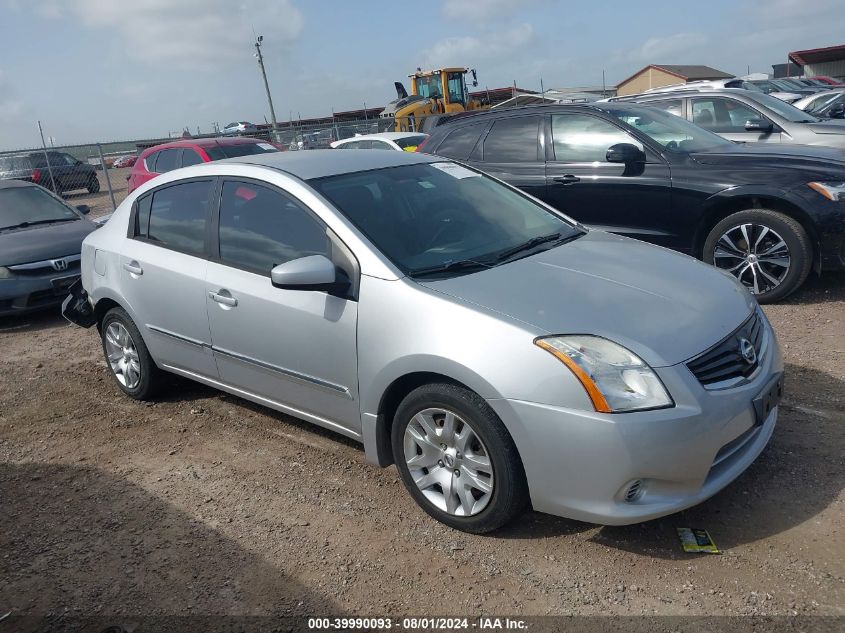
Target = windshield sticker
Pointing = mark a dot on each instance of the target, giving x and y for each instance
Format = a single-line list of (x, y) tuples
[(267, 146), (455, 170)]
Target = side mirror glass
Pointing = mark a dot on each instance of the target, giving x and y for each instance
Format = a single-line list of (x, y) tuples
[(84, 209), (759, 125), (315, 272), (626, 153)]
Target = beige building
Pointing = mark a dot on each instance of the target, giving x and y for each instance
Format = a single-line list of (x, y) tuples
[(656, 76)]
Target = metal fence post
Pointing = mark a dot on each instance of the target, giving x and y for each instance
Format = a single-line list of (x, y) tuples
[(47, 158), (108, 180)]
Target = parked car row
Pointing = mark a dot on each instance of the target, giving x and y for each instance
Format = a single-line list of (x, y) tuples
[(56, 171)]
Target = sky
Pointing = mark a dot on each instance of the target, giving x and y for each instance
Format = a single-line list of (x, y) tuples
[(107, 70)]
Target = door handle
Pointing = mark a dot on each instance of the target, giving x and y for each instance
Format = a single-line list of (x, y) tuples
[(133, 267), (566, 179), (223, 299)]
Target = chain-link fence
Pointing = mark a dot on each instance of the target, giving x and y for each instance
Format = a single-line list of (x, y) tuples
[(97, 175)]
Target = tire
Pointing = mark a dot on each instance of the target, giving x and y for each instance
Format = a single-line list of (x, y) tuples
[(788, 265), (94, 185), (486, 444), (149, 380)]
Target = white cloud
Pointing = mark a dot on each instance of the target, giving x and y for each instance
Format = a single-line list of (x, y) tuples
[(471, 49), (189, 34), (480, 9)]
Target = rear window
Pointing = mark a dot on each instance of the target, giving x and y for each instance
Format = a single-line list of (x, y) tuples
[(219, 152), (14, 163), (410, 141), (460, 143), (168, 159)]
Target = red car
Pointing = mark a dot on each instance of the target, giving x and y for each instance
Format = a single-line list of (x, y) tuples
[(168, 156), (124, 161)]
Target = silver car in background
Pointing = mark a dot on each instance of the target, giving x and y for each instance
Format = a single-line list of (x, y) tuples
[(496, 351)]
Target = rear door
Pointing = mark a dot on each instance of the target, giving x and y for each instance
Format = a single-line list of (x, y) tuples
[(294, 348), (512, 151), (163, 268), (633, 200)]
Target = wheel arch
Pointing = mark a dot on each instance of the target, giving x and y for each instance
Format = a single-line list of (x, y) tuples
[(723, 206)]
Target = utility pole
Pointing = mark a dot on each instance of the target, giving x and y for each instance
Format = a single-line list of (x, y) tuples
[(260, 58)]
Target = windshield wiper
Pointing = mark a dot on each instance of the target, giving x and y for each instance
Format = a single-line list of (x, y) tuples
[(23, 225), (452, 266), (532, 243)]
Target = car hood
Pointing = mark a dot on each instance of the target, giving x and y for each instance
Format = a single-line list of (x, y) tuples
[(775, 154), (38, 243), (664, 306)]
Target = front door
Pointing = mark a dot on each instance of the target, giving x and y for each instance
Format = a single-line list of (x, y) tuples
[(162, 271), (727, 118), (295, 348), (633, 200)]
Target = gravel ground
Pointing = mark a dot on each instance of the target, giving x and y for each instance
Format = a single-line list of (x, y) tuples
[(202, 503)]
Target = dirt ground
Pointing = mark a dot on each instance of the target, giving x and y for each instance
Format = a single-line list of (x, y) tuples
[(202, 503)]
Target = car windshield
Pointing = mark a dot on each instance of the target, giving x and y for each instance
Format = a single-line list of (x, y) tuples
[(219, 152), (409, 142), (783, 109), (671, 131), (442, 218), (22, 206)]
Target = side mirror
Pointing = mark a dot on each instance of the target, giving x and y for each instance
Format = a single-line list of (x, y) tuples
[(626, 153), (84, 209), (759, 125), (837, 111), (315, 272)]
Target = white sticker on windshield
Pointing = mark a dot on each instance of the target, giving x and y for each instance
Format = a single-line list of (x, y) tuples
[(455, 170), (267, 146)]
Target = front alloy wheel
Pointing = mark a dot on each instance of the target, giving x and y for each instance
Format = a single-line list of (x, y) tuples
[(448, 462), (755, 254)]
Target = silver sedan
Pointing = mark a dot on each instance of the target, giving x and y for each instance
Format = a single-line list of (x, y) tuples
[(496, 351)]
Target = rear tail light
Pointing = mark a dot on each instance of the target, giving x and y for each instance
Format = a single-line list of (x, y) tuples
[(36, 176), (421, 145)]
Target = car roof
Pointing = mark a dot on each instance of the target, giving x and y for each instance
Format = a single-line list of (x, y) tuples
[(608, 107), (387, 135), (317, 163), (14, 184), (206, 142)]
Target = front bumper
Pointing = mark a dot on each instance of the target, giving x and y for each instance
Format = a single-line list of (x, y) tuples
[(26, 294), (585, 465)]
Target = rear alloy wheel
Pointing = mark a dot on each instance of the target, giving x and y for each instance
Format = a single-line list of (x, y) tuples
[(769, 252), (128, 359), (457, 459)]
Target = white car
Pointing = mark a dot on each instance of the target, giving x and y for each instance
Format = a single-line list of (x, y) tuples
[(397, 141), (239, 127), (820, 103)]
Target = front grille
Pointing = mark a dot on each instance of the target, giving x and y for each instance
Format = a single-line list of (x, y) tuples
[(725, 361), (47, 270)]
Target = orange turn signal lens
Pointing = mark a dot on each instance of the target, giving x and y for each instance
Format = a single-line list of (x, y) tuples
[(598, 400)]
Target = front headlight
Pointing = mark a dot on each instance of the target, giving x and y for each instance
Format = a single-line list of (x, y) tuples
[(5, 273), (834, 191), (616, 379)]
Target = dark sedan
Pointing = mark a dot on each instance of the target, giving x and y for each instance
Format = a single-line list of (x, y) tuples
[(765, 213), (40, 244)]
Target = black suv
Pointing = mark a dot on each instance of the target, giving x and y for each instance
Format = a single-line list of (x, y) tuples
[(766, 213), (68, 173)]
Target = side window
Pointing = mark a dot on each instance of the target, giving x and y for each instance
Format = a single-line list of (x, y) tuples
[(722, 115), (459, 143), (261, 228), (190, 157), (178, 216), (168, 159), (581, 138), (380, 145), (150, 161), (512, 140), (142, 216), (672, 106), (364, 145), (68, 159)]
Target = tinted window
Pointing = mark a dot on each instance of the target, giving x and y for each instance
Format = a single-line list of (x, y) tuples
[(261, 228), (150, 161), (142, 216), (14, 163), (580, 138), (460, 143), (178, 216), (168, 159), (512, 140), (190, 157), (672, 106), (674, 133), (67, 159), (722, 115), (380, 145)]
